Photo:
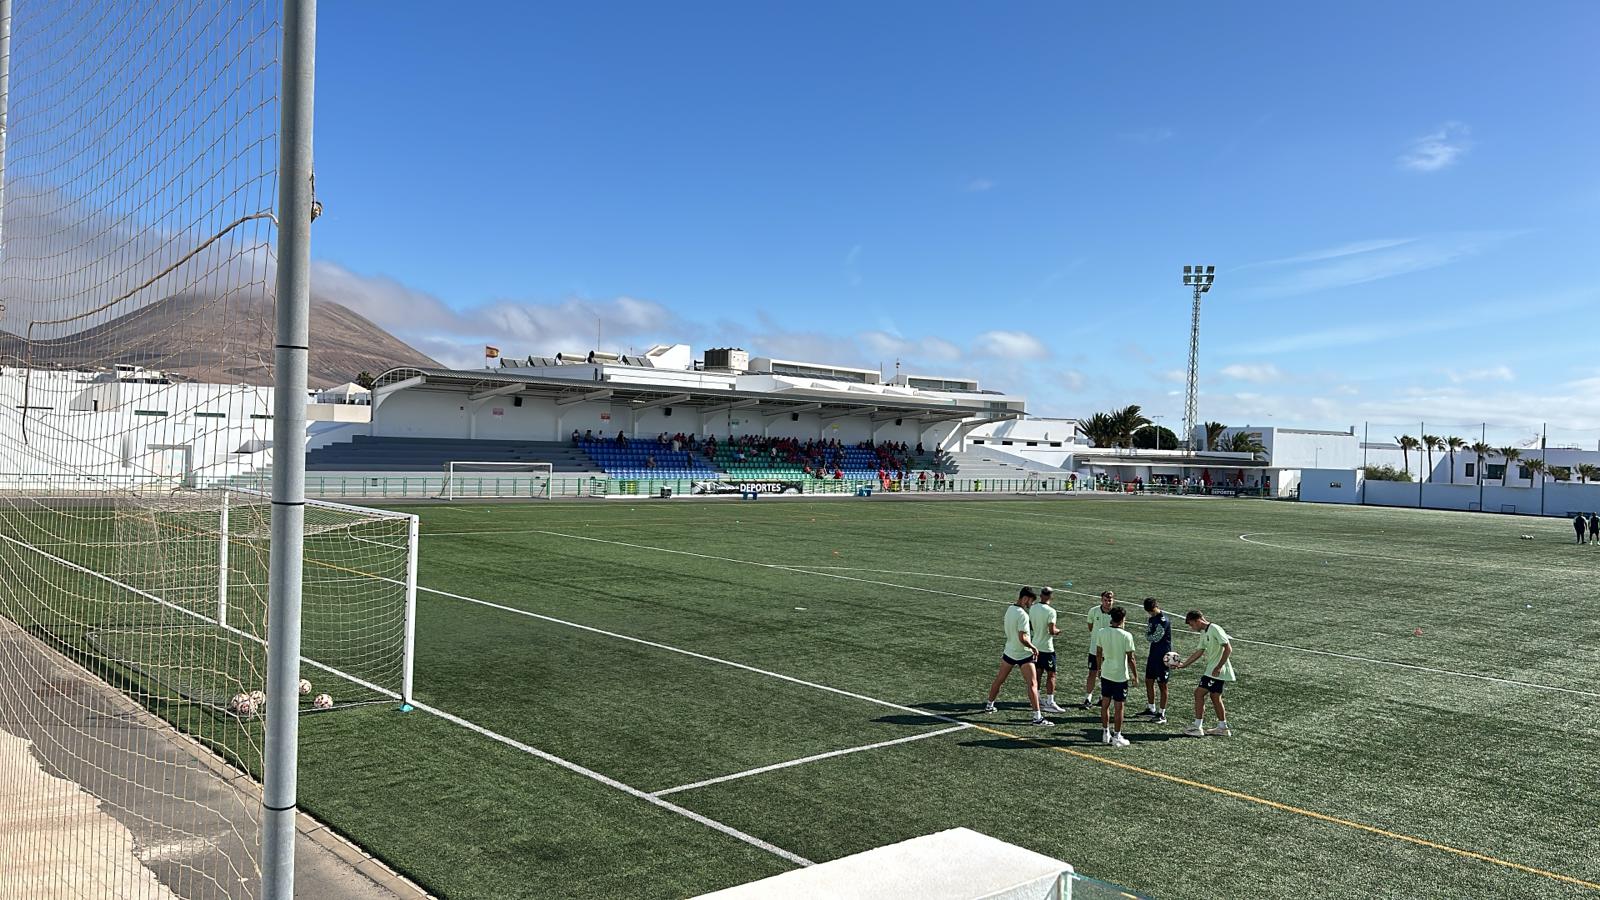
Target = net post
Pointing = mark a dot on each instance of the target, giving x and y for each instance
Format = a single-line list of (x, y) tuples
[(409, 652), (293, 287), (222, 558)]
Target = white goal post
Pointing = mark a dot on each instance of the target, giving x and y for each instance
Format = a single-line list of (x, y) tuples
[(471, 479)]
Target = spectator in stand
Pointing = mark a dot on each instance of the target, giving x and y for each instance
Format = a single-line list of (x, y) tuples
[(922, 480), (650, 461), (622, 439), (575, 437), (588, 436)]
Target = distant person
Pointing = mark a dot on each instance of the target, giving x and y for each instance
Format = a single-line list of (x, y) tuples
[(1042, 619), (1217, 648), (1019, 653), (1594, 528), (1098, 618), (1114, 649), (1579, 524), (1158, 633), (588, 435), (575, 437)]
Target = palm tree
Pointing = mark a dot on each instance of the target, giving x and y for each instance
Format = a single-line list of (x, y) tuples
[(1453, 443), (1100, 430), (1511, 455), (1128, 420), (1586, 472), (1407, 444), (1246, 442), (1536, 468), (1483, 451), (1214, 432), (1432, 442)]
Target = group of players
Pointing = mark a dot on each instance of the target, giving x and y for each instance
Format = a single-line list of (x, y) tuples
[(1031, 629)]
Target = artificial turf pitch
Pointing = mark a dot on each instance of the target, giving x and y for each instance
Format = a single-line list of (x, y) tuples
[(1366, 761)]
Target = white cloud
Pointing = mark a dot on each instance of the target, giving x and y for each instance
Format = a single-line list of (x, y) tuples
[(1436, 150), (1073, 380), (1342, 250), (931, 349), (1257, 372), (1369, 261), (1009, 345), (979, 185), (1491, 373), (1176, 376), (456, 336)]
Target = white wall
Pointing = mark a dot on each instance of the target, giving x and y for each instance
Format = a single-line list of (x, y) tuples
[(1330, 485)]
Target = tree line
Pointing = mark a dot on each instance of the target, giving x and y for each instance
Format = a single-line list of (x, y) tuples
[(1538, 468)]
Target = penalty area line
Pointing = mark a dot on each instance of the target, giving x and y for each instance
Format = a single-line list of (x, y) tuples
[(810, 759), (1077, 754), (608, 781)]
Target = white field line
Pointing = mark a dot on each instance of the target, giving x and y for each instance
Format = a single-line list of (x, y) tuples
[(691, 653), (809, 759), (613, 783), (548, 757)]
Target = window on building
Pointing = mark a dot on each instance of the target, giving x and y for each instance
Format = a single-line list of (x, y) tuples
[(260, 415), (210, 415), (1522, 472), (149, 412), (1494, 471), (1472, 469)]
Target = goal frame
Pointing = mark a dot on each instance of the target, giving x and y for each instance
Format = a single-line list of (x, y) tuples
[(486, 467)]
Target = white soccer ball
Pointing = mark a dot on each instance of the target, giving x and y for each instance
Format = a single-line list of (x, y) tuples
[(242, 705), (323, 701), (305, 686), (1172, 660), (259, 698)]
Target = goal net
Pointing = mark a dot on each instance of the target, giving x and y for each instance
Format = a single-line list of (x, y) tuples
[(137, 304), (466, 479)]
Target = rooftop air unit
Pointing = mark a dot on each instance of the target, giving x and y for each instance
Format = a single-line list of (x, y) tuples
[(727, 359)]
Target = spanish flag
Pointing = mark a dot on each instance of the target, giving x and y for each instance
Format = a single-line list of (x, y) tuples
[(491, 352)]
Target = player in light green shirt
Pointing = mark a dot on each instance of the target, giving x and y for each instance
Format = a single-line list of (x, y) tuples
[(1098, 618), (1042, 616), (1217, 648), (1114, 652), (1019, 652)]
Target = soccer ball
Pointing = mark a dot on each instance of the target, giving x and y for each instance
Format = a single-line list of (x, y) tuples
[(305, 686), (259, 698), (1172, 660), (323, 701), (242, 705)]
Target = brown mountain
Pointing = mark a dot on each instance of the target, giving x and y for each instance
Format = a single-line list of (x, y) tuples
[(226, 340)]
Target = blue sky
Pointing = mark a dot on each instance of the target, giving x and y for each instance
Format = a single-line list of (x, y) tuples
[(1402, 200)]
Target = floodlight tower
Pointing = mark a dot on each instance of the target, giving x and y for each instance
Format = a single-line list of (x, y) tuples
[(1199, 278)]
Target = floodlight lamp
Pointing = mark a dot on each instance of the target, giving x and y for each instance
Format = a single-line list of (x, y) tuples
[(1210, 269), (1187, 269)]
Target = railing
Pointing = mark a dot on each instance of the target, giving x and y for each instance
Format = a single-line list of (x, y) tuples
[(489, 485)]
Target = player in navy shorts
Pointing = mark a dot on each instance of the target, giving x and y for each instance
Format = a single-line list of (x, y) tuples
[(1158, 633)]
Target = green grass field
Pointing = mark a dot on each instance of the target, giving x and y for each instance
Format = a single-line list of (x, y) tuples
[(663, 644)]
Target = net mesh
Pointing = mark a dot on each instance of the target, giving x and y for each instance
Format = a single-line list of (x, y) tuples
[(137, 316)]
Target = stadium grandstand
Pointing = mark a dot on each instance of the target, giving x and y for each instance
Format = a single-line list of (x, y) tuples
[(596, 423)]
